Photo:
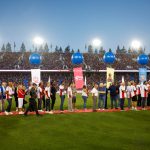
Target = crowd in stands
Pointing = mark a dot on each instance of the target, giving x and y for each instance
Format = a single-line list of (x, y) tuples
[(62, 61), (91, 77)]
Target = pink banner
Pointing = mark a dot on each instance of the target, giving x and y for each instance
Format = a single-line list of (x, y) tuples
[(78, 77)]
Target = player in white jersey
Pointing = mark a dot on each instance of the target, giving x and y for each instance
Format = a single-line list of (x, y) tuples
[(9, 95), (122, 93), (94, 92), (128, 91)]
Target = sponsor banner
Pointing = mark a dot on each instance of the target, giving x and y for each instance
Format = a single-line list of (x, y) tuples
[(109, 76), (35, 76), (78, 77), (142, 74)]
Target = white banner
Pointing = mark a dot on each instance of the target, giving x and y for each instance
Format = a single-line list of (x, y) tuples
[(36, 76)]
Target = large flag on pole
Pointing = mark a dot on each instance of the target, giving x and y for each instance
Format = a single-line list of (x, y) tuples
[(110, 76), (36, 76), (78, 77)]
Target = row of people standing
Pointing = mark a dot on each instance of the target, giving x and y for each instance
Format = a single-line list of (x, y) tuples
[(45, 96), (18, 91), (137, 95), (7, 92)]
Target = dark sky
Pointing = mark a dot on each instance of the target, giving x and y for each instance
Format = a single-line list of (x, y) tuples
[(75, 22)]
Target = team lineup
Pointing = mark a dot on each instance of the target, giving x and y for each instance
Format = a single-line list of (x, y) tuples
[(42, 97)]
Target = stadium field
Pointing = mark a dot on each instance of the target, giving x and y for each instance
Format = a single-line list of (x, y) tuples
[(112, 131)]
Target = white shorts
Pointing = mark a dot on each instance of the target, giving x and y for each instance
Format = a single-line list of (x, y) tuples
[(20, 102)]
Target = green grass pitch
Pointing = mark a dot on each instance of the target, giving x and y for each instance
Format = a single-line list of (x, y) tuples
[(89, 131)]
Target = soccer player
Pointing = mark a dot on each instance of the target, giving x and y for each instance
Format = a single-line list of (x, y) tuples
[(21, 96), (69, 94), (94, 96), (128, 91), (9, 95), (122, 92), (62, 95), (144, 92)]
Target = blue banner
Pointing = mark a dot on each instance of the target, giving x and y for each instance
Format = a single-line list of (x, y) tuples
[(142, 74)]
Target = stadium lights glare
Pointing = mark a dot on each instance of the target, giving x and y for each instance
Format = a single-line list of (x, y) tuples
[(38, 40), (136, 44), (96, 42)]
